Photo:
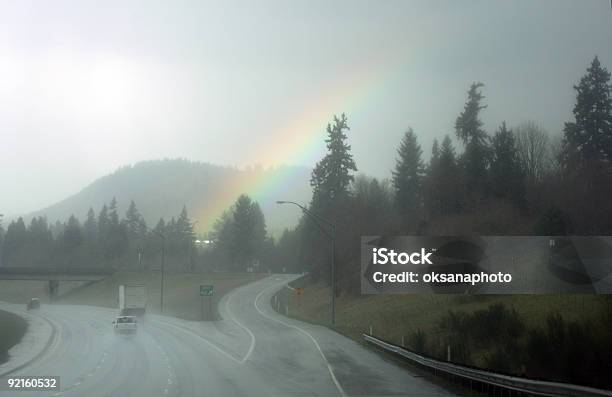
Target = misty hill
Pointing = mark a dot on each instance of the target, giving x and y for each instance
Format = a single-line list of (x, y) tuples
[(160, 188)]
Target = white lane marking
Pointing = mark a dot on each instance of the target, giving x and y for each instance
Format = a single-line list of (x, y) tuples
[(304, 332), (209, 343), (290, 287), (233, 318)]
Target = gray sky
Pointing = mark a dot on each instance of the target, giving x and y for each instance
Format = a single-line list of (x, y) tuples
[(87, 88)]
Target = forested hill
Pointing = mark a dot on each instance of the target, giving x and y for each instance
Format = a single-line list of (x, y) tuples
[(160, 188)]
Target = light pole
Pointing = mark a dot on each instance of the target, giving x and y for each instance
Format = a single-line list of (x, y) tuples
[(332, 236), (163, 259)]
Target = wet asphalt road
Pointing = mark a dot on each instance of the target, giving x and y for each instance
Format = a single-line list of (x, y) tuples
[(253, 351)]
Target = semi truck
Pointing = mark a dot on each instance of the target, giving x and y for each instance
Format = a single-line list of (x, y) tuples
[(132, 300)]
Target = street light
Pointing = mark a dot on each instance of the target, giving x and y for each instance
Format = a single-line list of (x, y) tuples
[(163, 259), (317, 219)]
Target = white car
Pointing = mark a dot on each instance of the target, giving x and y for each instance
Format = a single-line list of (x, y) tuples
[(125, 325)]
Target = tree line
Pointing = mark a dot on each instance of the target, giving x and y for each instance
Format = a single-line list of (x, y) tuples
[(103, 239), (516, 180)]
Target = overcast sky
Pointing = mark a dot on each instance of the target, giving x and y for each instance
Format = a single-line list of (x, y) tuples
[(86, 87)]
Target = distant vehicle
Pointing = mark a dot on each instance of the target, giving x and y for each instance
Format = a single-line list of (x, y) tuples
[(33, 303), (132, 300), (125, 325)]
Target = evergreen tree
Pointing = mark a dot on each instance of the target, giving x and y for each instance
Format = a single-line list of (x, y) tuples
[(469, 130), (435, 153), (103, 224), (14, 242), (134, 223), (222, 236), (72, 236), (184, 228), (507, 176), (160, 228), (588, 139), (242, 230), (247, 228), (90, 227), (332, 175), (113, 215), (258, 231), (444, 191), (408, 175)]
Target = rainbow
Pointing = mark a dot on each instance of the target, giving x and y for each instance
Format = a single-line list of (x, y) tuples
[(299, 142)]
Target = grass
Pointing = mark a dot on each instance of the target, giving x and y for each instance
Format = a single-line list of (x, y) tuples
[(181, 291), (12, 329), (396, 318)]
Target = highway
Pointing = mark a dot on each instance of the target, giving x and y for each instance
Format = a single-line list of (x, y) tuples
[(253, 351)]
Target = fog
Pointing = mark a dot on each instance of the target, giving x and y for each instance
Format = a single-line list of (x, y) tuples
[(87, 87)]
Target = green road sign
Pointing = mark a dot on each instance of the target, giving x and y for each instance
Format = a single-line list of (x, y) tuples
[(206, 290)]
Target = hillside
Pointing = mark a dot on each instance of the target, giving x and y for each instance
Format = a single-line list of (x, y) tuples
[(162, 187)]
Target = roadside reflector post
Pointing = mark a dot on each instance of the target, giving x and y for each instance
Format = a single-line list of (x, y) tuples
[(448, 353), (371, 331), (403, 344)]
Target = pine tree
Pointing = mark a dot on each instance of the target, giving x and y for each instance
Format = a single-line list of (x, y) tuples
[(223, 238), (73, 236), (332, 175), (588, 139), (103, 224), (113, 215), (134, 222), (184, 228), (469, 130), (14, 242), (160, 228), (258, 225), (242, 230), (435, 153), (408, 175), (444, 190), (90, 227), (507, 176), (248, 230)]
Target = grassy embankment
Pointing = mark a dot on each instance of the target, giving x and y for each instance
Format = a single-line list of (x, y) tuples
[(507, 333), (12, 329)]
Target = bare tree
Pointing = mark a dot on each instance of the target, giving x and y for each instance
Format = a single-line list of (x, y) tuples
[(532, 143)]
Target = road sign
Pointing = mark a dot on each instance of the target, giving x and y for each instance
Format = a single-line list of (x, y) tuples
[(206, 290)]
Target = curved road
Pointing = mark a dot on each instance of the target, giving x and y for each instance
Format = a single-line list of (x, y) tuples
[(253, 352)]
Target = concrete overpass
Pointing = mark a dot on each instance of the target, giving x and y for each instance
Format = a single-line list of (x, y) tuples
[(54, 275)]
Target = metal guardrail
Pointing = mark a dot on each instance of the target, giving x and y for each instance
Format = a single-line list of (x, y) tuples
[(528, 386)]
